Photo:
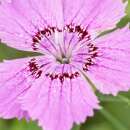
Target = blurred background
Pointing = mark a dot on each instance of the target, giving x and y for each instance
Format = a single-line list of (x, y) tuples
[(115, 112)]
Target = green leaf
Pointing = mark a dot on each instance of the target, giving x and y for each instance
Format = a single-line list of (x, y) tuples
[(11, 53), (113, 120), (128, 9), (76, 127), (123, 22), (124, 99)]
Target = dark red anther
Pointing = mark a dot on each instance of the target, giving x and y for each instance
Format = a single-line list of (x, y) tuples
[(68, 26), (91, 45), (51, 76), (53, 29), (85, 69), (59, 30), (34, 68), (38, 35), (43, 32), (84, 34), (39, 74), (35, 40), (66, 75), (89, 63), (47, 74), (47, 31), (56, 76), (71, 76), (89, 37), (35, 48), (78, 29), (89, 60), (95, 48), (61, 78), (94, 55), (76, 74)]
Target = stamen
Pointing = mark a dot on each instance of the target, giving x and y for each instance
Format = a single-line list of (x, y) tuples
[(62, 76), (49, 31), (93, 53), (83, 41), (34, 68)]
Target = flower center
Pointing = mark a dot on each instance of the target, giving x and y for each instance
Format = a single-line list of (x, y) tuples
[(60, 42), (71, 44), (63, 60)]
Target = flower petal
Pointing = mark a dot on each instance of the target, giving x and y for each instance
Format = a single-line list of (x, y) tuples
[(111, 73), (12, 85), (15, 30), (58, 105), (96, 14), (20, 22), (16, 78)]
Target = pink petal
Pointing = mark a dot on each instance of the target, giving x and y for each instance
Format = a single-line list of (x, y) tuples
[(16, 78), (101, 14), (111, 73), (12, 85), (19, 22), (58, 105), (22, 23)]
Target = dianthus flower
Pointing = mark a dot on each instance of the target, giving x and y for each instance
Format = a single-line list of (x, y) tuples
[(53, 88)]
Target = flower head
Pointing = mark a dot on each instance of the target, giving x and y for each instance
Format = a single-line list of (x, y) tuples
[(52, 88)]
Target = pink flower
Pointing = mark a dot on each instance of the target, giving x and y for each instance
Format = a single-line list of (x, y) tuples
[(52, 88)]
